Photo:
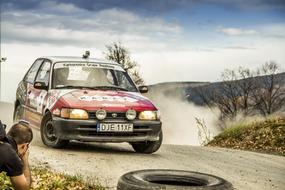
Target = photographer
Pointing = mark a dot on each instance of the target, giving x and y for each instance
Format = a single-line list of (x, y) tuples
[(14, 154)]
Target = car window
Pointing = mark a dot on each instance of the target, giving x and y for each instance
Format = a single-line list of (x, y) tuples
[(90, 75), (110, 77), (122, 79), (44, 72), (30, 76)]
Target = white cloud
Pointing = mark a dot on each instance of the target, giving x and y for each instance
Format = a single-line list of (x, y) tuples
[(65, 24), (156, 66), (207, 65), (159, 46), (60, 8), (237, 31), (274, 30)]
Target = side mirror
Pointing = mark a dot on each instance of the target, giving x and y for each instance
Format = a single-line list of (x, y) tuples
[(40, 85), (143, 89)]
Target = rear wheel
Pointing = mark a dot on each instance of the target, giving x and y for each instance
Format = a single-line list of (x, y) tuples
[(48, 133), (148, 147), (18, 114)]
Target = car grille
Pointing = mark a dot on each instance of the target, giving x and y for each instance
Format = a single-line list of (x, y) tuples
[(91, 130), (116, 134)]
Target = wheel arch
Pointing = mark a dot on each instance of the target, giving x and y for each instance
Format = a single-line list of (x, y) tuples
[(45, 113), (17, 103)]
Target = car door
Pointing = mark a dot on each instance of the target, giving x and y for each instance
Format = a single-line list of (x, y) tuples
[(36, 97), (23, 90)]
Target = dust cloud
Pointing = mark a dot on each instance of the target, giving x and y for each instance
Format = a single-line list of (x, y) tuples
[(178, 119)]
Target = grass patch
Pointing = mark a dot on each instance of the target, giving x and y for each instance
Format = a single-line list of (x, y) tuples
[(45, 179), (263, 136)]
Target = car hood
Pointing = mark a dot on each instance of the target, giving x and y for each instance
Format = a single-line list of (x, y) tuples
[(105, 99)]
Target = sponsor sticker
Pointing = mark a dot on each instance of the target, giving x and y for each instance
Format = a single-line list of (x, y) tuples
[(76, 73), (107, 98), (40, 101), (55, 95), (82, 64)]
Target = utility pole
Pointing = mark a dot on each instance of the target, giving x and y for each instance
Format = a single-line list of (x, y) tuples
[(2, 60), (0, 46), (0, 76)]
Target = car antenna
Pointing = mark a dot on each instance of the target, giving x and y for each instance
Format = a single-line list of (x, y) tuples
[(86, 55)]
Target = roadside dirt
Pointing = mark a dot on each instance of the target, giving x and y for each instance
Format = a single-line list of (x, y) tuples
[(107, 162)]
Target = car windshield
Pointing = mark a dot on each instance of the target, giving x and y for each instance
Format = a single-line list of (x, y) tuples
[(91, 75)]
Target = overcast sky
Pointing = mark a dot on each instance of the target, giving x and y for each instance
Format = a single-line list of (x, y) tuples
[(171, 40)]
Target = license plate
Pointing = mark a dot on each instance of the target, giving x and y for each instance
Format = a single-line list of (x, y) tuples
[(115, 127)]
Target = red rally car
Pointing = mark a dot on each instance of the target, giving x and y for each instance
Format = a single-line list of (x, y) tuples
[(86, 99)]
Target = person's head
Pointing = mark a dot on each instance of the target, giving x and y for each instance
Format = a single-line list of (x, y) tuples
[(22, 134)]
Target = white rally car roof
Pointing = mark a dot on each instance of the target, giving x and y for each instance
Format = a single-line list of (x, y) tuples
[(78, 59)]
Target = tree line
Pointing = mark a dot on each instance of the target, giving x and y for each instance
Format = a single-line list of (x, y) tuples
[(245, 91), (241, 91)]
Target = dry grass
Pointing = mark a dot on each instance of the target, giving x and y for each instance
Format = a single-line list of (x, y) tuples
[(45, 179), (266, 136)]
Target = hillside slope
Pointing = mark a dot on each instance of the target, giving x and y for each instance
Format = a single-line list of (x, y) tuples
[(264, 136)]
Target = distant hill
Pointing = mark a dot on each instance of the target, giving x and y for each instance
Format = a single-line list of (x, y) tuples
[(173, 89), (186, 90), (192, 96)]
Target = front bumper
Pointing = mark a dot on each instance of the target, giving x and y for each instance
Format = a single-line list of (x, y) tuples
[(86, 130)]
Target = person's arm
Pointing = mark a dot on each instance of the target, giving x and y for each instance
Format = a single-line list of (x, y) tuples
[(24, 181), (20, 182), (26, 169)]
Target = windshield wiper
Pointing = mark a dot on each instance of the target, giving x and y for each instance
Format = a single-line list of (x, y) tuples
[(91, 87), (73, 86), (110, 87)]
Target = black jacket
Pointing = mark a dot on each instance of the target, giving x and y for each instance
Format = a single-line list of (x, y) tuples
[(10, 161)]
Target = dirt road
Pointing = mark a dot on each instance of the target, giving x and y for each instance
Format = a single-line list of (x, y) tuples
[(107, 162)]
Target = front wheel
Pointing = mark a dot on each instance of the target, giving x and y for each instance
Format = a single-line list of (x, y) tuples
[(48, 133), (148, 147)]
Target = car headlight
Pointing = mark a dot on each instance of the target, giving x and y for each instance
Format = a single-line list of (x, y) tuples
[(149, 115), (101, 114), (74, 113), (131, 114)]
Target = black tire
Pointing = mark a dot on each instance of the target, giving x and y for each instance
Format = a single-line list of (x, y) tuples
[(48, 133), (148, 147), (18, 114), (171, 180)]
